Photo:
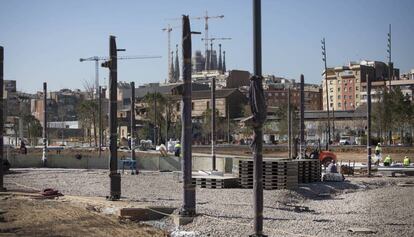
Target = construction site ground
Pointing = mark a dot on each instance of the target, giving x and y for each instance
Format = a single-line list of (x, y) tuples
[(384, 205), (24, 214)]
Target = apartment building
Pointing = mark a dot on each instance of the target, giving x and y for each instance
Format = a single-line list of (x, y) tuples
[(346, 86)]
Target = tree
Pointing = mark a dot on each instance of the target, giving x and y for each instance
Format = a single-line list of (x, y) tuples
[(34, 128), (87, 111), (156, 104)]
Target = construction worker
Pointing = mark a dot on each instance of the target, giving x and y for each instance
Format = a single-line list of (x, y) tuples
[(177, 149), (378, 151), (406, 161), (387, 160)]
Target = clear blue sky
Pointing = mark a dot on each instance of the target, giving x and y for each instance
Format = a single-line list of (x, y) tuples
[(44, 39)]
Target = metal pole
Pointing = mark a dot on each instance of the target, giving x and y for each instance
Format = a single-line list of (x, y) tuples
[(155, 119), (257, 131), (189, 205), (100, 119), (369, 124), (302, 117), (333, 123), (96, 77), (44, 155), (326, 92), (133, 120), (115, 177), (2, 188), (213, 121), (289, 115)]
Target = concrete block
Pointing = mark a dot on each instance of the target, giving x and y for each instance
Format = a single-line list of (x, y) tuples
[(182, 220)]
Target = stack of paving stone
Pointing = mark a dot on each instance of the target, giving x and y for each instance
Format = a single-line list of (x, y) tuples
[(215, 182), (309, 170), (277, 174)]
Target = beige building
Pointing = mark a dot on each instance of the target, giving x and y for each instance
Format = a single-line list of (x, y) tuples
[(347, 84)]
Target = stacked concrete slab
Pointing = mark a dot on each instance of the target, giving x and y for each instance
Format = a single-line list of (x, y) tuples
[(308, 170), (277, 174), (215, 182)]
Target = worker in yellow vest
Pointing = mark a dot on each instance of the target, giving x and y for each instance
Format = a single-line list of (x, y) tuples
[(406, 161), (387, 160)]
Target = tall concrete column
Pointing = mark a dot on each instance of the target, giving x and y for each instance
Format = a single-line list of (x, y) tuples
[(133, 120), (1, 118), (100, 119), (213, 122), (369, 124), (115, 177), (302, 146), (44, 134), (189, 196)]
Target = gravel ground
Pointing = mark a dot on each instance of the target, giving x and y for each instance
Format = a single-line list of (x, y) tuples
[(375, 203)]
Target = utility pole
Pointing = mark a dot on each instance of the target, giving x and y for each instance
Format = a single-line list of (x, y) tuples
[(326, 93), (302, 146), (112, 64), (213, 121), (100, 119), (132, 120), (44, 154), (189, 204), (390, 64), (258, 108), (155, 118), (2, 188), (289, 115), (390, 75), (369, 124)]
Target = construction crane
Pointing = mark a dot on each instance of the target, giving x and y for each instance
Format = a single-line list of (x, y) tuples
[(97, 59), (168, 29), (208, 67), (205, 18)]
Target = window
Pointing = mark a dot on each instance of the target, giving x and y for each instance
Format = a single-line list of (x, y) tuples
[(350, 97), (208, 104), (331, 97), (357, 104), (192, 105), (126, 101), (344, 96), (339, 105), (345, 89), (339, 96), (331, 105), (357, 96), (339, 89), (357, 88), (350, 88)]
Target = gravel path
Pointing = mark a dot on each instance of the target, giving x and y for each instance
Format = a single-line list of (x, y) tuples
[(376, 203)]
